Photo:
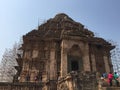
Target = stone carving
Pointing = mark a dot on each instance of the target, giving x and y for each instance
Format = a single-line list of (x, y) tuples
[(63, 86)]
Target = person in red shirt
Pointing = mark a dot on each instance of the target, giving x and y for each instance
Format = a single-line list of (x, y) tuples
[(110, 77)]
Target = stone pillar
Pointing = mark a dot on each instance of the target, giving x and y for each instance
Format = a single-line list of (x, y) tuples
[(107, 67), (86, 61), (93, 62), (64, 63), (53, 65)]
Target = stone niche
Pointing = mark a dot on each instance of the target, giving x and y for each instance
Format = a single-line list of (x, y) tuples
[(74, 58)]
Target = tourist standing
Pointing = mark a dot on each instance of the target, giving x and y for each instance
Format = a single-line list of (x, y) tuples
[(28, 77), (110, 77), (104, 75), (116, 78), (36, 78)]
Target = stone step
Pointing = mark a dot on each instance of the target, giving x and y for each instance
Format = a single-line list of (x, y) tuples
[(111, 88)]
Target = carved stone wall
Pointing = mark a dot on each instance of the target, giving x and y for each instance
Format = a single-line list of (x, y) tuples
[(78, 81), (61, 46)]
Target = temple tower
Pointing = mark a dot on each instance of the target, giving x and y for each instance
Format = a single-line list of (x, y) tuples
[(59, 47)]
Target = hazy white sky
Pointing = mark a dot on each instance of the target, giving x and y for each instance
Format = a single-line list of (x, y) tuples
[(17, 17)]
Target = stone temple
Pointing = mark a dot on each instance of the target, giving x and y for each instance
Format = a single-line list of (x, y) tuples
[(62, 55)]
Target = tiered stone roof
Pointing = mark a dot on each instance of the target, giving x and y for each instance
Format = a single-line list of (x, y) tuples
[(62, 25), (59, 25)]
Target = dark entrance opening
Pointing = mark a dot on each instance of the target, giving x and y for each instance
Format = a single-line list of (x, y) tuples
[(74, 65)]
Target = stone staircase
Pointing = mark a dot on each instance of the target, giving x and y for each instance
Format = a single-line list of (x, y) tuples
[(110, 88), (103, 85)]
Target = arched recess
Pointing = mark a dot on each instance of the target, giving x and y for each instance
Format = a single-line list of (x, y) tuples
[(74, 58)]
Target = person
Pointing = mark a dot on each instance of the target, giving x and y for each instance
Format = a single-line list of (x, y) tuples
[(116, 78), (28, 77), (104, 75), (36, 78), (110, 77), (18, 78)]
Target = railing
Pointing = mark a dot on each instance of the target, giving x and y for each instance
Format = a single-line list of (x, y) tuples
[(104, 82), (20, 86)]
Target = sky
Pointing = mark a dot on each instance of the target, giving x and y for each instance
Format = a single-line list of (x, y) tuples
[(18, 17)]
